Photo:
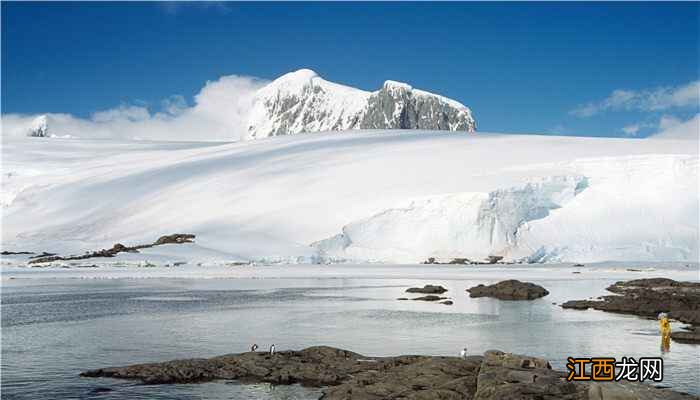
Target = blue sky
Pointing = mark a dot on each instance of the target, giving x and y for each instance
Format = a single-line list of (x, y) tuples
[(523, 67)]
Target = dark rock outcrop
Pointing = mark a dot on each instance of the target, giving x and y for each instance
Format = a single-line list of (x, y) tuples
[(177, 238), (510, 376), (494, 259), (427, 289), (346, 375), (12, 253), (648, 298), (430, 297), (509, 290), (689, 335)]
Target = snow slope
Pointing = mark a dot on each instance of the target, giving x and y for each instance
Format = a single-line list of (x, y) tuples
[(391, 196)]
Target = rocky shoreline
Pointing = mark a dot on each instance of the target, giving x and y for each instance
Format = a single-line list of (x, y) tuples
[(345, 375), (648, 298)]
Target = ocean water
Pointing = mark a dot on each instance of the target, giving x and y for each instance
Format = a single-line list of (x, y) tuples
[(54, 328)]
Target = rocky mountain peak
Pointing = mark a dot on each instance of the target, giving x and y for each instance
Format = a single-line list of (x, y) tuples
[(302, 101)]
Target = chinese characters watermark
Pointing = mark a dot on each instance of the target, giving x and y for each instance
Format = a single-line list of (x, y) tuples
[(608, 369)]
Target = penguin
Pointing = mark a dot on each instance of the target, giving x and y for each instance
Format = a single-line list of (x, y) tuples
[(463, 353), (272, 349), (254, 347)]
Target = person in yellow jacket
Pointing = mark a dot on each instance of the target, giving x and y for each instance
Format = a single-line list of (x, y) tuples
[(665, 329), (664, 326)]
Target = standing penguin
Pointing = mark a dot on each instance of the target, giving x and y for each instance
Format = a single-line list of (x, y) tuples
[(463, 353), (254, 347), (272, 349)]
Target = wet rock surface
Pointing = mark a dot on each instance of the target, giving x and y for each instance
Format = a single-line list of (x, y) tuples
[(509, 290), (346, 375), (648, 298), (690, 335)]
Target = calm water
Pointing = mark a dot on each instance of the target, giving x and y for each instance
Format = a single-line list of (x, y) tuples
[(54, 328)]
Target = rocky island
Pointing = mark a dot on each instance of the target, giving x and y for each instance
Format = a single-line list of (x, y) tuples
[(347, 375)]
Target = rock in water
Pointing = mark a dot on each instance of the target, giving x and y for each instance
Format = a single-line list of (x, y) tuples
[(648, 298), (427, 289), (509, 290), (430, 297)]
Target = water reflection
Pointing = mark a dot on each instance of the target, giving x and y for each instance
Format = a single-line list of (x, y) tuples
[(51, 332)]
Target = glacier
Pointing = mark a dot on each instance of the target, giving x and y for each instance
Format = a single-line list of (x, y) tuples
[(385, 196), (462, 225)]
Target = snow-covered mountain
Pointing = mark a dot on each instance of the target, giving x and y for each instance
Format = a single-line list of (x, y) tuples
[(39, 127), (397, 196), (302, 101)]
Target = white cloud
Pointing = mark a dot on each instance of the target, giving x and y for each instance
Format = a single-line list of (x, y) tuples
[(669, 122), (122, 113), (220, 112), (673, 128), (174, 105), (657, 99), (632, 130)]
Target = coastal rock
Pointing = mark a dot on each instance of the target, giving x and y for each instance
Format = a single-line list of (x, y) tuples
[(509, 290), (349, 375), (648, 298), (511, 376), (427, 289), (691, 335), (345, 375), (578, 304)]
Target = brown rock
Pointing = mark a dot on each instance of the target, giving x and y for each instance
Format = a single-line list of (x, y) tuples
[(345, 375), (430, 297), (427, 289), (509, 290)]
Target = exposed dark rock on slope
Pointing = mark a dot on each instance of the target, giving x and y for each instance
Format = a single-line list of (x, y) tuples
[(176, 238)]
